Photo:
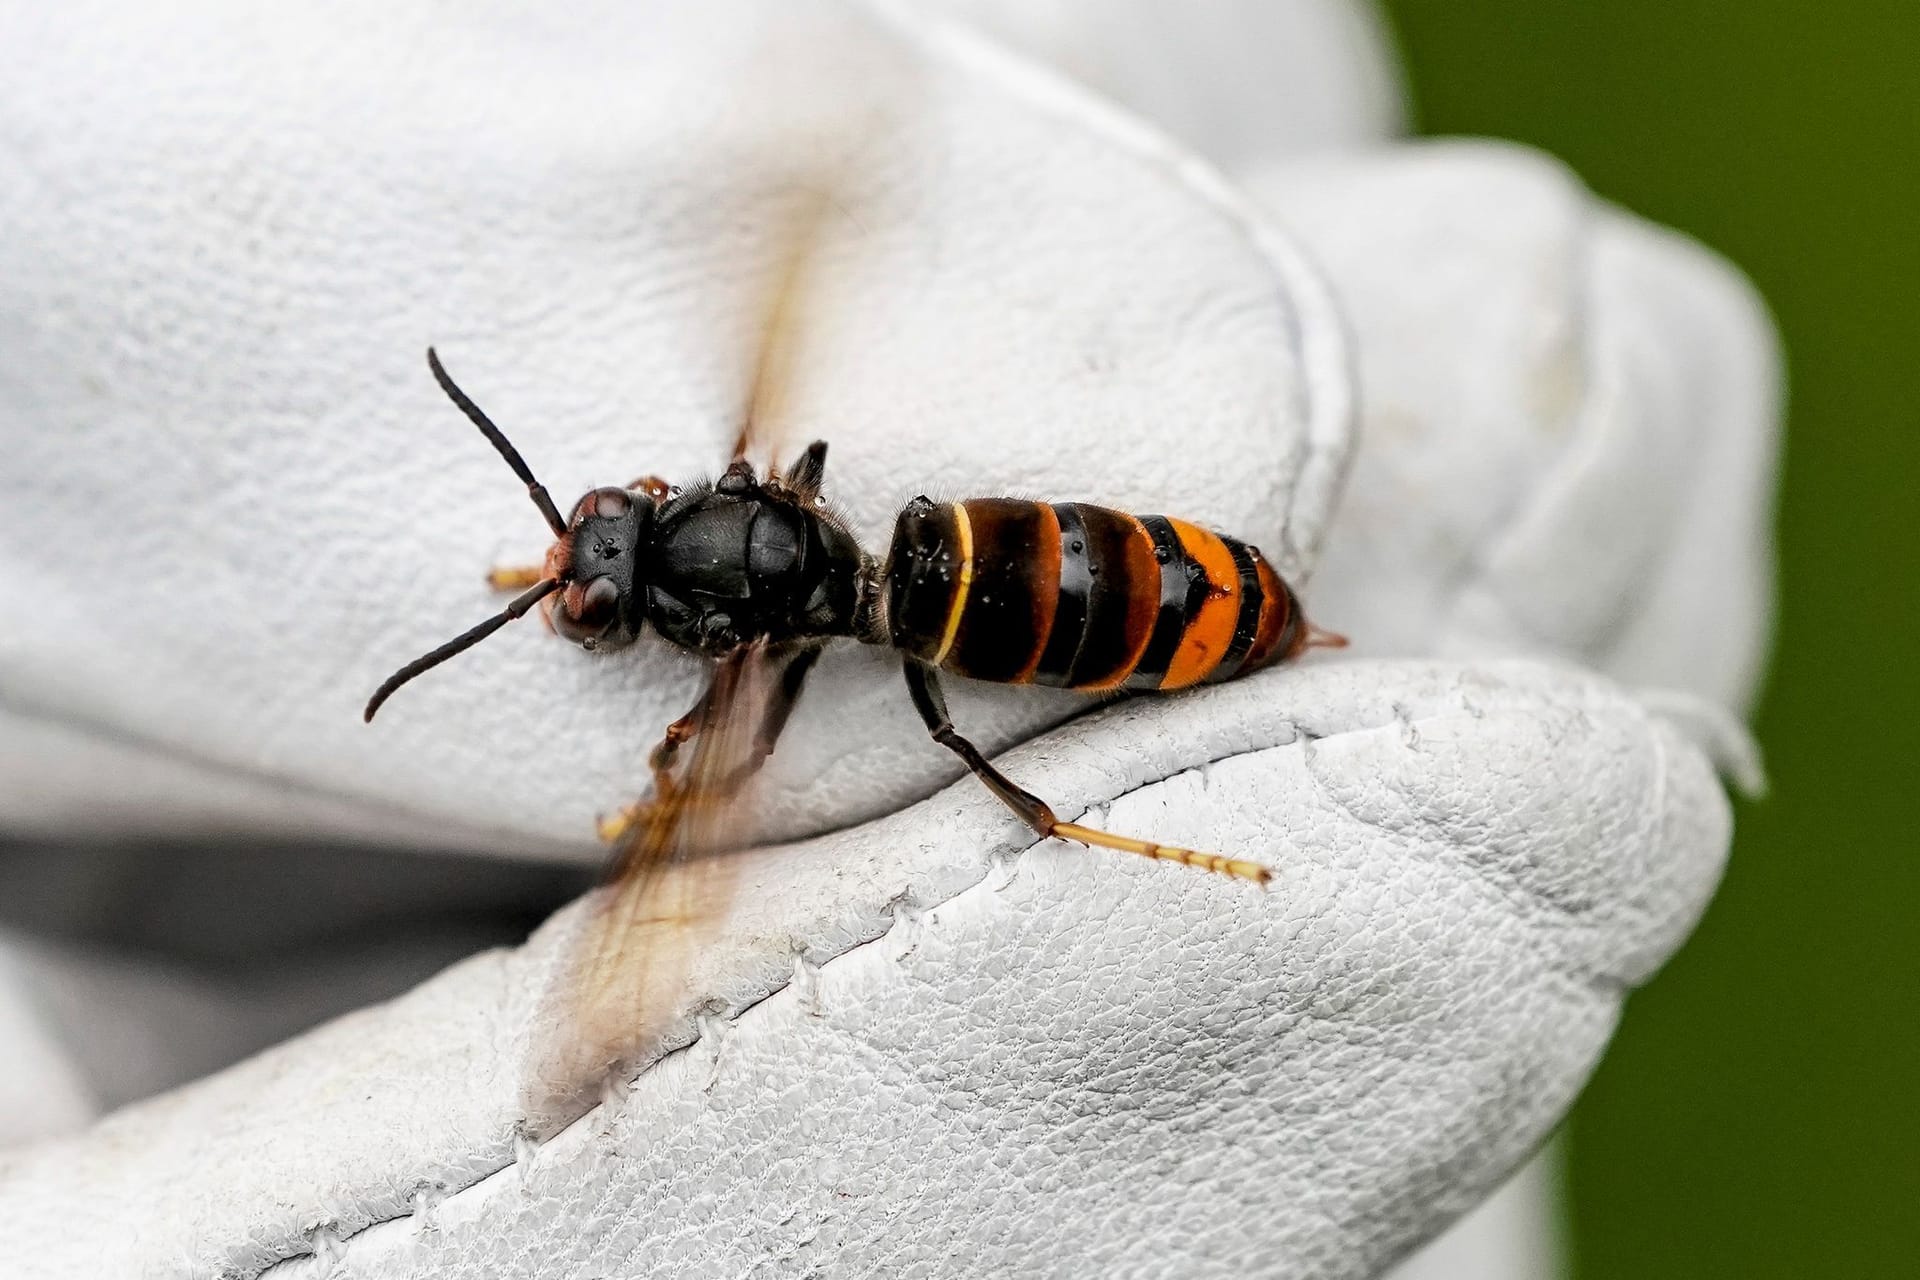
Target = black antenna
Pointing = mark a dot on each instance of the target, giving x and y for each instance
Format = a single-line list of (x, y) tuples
[(535, 490), (461, 643)]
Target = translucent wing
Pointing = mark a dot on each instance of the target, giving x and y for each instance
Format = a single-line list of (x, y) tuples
[(792, 303), (620, 991)]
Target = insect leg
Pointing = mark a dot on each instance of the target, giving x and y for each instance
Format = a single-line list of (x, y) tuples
[(781, 700), (924, 685), (660, 762), (516, 577), (678, 734), (808, 471)]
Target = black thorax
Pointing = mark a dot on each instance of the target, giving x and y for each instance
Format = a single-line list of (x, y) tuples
[(739, 562)]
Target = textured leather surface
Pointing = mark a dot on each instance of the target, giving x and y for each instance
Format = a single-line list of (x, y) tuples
[(1569, 420), (1072, 1061), (328, 515), (1476, 861), (1242, 82)]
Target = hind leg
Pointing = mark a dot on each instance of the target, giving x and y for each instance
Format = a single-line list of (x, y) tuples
[(1035, 812)]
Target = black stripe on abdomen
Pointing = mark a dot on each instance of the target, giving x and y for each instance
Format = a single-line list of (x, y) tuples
[(1247, 626), (1183, 585), (1116, 555), (1076, 590), (923, 577)]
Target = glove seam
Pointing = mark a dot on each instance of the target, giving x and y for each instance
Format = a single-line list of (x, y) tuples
[(428, 1194)]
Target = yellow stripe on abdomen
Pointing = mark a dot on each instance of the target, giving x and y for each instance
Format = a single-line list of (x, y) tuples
[(963, 528)]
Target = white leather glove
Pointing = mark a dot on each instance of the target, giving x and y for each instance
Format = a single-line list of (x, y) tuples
[(938, 1050)]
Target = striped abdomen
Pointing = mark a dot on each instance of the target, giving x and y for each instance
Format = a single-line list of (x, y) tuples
[(1081, 596)]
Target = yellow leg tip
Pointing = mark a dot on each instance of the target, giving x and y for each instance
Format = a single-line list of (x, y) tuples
[(1252, 872), (516, 578), (1234, 868), (612, 829)]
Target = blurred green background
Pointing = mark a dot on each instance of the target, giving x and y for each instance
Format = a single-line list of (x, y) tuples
[(1757, 1114)]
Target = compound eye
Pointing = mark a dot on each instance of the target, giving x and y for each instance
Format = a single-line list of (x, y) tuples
[(586, 611)]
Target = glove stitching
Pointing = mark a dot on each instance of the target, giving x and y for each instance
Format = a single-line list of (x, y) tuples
[(526, 1150)]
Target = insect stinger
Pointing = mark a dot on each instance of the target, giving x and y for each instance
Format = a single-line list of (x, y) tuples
[(757, 574)]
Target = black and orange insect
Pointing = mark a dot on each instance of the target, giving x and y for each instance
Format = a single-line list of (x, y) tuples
[(758, 574), (1001, 589)]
